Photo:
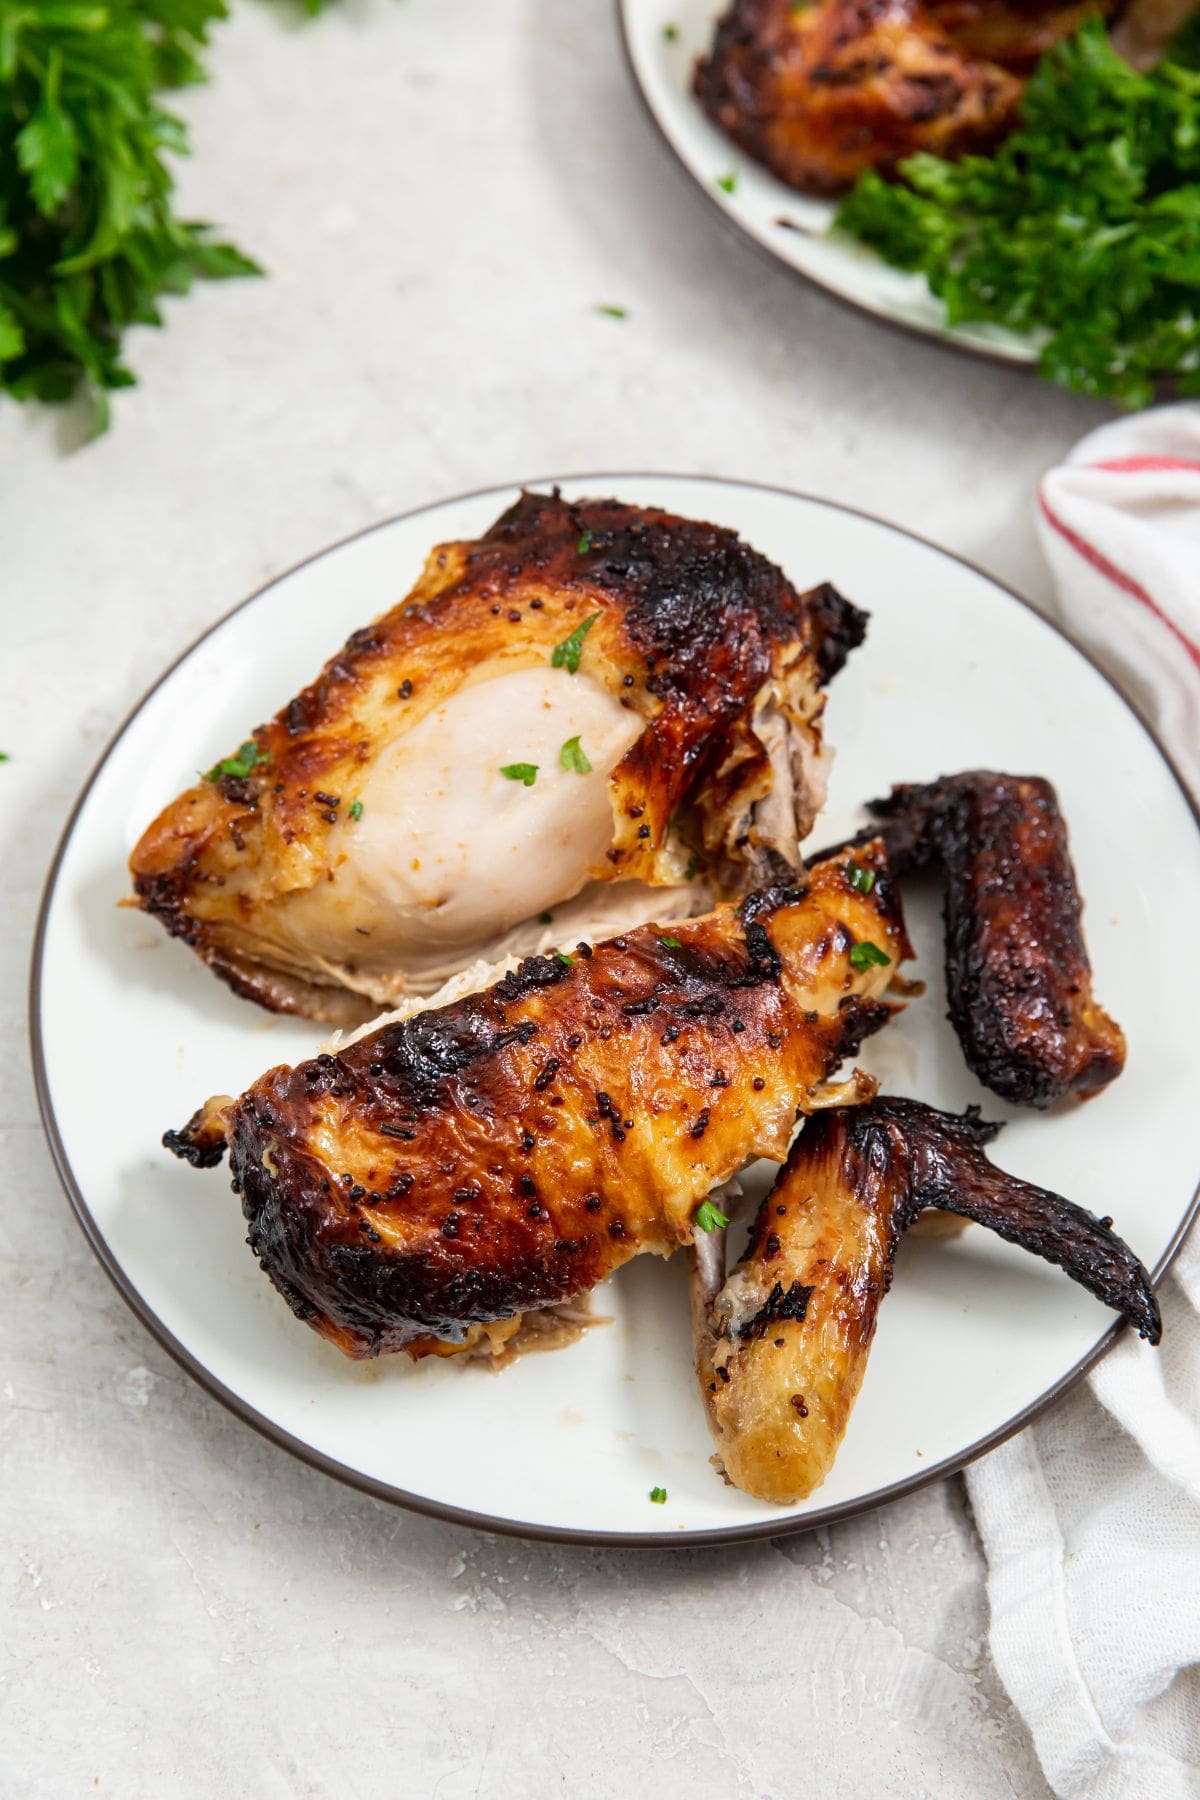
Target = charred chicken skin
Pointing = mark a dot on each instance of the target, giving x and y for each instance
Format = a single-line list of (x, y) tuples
[(1018, 978), (442, 1175), (597, 708), (820, 92), (782, 1345)]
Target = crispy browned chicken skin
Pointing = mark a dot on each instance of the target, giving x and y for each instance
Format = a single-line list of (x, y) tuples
[(782, 1345), (820, 92), (374, 840), (1018, 978), (508, 1151)]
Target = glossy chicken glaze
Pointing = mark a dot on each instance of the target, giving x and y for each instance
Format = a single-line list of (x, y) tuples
[(1018, 978), (783, 1344), (376, 846), (511, 1149), (822, 91)]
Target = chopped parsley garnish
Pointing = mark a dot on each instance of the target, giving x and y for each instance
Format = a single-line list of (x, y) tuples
[(868, 956), (689, 874), (4, 756), (670, 943), (728, 182), (584, 544), (572, 756), (567, 654), (710, 1217), (564, 958), (247, 758), (659, 1496), (525, 773), (613, 312), (671, 33), (545, 918), (1083, 227), (860, 878), (355, 809)]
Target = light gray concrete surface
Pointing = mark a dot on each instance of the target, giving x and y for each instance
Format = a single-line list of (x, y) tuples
[(442, 190)]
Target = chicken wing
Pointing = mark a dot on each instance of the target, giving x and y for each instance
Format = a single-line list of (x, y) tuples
[(599, 710), (1018, 978), (821, 92), (507, 1151), (782, 1345)]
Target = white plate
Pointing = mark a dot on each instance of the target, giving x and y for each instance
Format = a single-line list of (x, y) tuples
[(662, 69), (130, 1033)]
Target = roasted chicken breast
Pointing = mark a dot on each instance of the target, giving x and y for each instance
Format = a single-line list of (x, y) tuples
[(596, 710), (782, 1344), (1018, 978), (445, 1173)]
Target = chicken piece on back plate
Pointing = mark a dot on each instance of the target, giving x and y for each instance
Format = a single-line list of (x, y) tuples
[(598, 712), (821, 92)]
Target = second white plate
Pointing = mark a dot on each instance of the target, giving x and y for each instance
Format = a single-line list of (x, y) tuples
[(662, 40)]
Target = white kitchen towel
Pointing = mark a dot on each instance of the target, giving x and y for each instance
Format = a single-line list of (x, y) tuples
[(1090, 1519)]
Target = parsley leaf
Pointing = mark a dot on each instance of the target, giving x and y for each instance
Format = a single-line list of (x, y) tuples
[(526, 773), (584, 544), (564, 958), (567, 654), (355, 809), (670, 943), (572, 756), (89, 242), (709, 1217), (860, 878), (728, 182), (613, 312), (868, 956), (689, 874), (659, 1496), (671, 33), (1083, 228), (247, 758)]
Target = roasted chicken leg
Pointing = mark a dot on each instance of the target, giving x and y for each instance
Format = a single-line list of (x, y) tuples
[(598, 711), (439, 1176), (782, 1344), (1018, 978)]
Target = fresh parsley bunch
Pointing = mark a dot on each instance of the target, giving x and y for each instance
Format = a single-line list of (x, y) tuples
[(88, 240), (1084, 226)]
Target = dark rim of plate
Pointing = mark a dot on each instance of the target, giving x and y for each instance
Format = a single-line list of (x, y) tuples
[(316, 1459)]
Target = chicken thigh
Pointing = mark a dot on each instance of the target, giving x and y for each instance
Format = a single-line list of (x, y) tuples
[(445, 1173)]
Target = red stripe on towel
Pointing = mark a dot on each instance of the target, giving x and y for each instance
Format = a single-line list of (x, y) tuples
[(1141, 465), (1119, 578)]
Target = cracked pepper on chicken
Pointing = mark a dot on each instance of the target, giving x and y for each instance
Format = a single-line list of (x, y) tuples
[(442, 1174)]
